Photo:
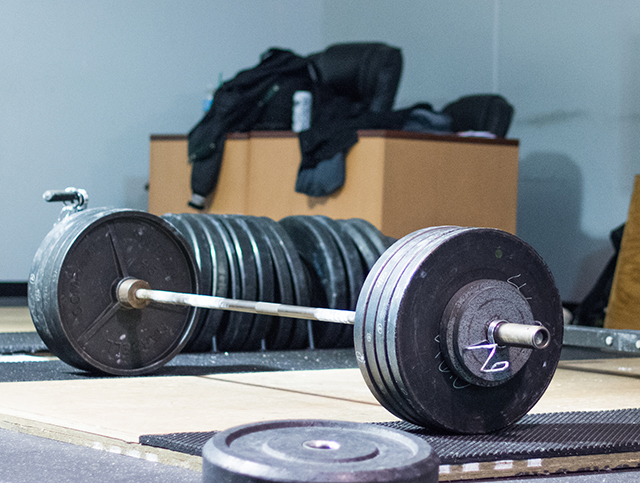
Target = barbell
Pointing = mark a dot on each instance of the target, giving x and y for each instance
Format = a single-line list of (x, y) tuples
[(454, 328)]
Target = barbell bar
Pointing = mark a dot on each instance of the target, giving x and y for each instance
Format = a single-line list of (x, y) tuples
[(136, 294)]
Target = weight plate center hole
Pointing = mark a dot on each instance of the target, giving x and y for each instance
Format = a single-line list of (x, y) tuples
[(321, 444)]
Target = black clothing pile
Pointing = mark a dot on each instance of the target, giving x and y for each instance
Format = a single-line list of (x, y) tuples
[(353, 86)]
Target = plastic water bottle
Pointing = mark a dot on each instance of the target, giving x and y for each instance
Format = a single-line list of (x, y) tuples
[(208, 98), (301, 116)]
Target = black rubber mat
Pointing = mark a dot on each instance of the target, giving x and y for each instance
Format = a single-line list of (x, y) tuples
[(13, 301), (189, 443), (193, 364), (549, 435), (21, 342)]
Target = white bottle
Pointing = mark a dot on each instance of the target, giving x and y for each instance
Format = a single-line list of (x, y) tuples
[(301, 115)]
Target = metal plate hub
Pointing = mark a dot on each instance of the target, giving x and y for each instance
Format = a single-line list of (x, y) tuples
[(466, 335)]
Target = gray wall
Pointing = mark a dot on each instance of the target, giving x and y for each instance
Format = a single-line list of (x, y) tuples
[(569, 67), (84, 83)]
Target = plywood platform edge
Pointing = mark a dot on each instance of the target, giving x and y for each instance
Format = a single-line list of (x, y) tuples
[(98, 442), (539, 466)]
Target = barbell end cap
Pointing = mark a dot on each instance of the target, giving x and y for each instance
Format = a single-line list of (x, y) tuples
[(126, 293), (542, 338)]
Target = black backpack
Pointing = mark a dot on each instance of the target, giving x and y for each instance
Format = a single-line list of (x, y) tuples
[(480, 112), (259, 98)]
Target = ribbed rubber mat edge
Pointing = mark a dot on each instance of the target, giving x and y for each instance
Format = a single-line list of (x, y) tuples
[(545, 435)]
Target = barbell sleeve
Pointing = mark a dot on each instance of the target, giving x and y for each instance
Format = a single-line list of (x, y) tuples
[(519, 335)]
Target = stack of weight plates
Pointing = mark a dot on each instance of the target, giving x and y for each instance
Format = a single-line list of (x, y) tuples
[(301, 260), (338, 255), (403, 300)]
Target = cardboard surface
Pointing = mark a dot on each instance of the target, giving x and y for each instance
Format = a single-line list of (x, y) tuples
[(624, 299), (443, 179)]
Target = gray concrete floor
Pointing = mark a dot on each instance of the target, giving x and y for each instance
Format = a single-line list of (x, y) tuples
[(604, 477), (25, 458)]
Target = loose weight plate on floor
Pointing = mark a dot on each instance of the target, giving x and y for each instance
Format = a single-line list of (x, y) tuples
[(72, 288), (317, 451), (408, 291)]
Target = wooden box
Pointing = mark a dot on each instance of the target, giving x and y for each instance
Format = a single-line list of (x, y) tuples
[(398, 181)]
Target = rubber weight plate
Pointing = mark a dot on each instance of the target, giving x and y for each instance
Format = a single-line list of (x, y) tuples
[(430, 278), (383, 293), (317, 451), (353, 268), (326, 269), (369, 330), (46, 272), (50, 271), (77, 291), (39, 287), (280, 328), (232, 335), (212, 247), (349, 255), (375, 236), (222, 254), (265, 274), (299, 330), (368, 252), (199, 246)]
